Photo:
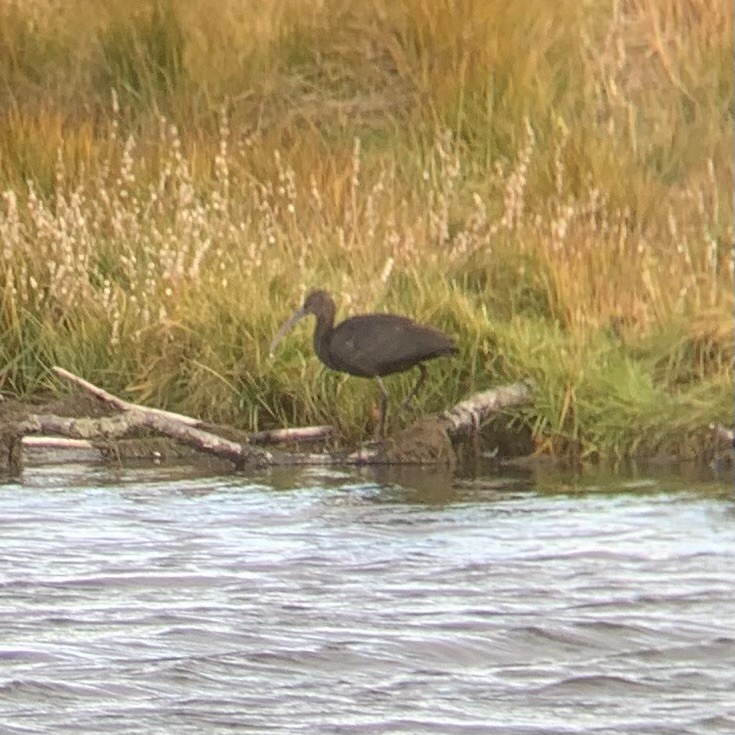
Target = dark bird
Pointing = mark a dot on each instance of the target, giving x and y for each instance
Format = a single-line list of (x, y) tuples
[(370, 345)]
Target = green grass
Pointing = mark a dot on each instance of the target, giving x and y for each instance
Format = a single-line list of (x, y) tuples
[(552, 185)]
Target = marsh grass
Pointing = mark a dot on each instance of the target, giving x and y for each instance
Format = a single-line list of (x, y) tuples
[(177, 175)]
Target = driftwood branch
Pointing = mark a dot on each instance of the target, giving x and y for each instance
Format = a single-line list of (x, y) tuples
[(306, 433), (120, 425), (119, 403), (302, 434), (469, 415), (463, 419), (56, 442)]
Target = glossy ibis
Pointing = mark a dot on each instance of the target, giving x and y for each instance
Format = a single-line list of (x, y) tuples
[(370, 345)]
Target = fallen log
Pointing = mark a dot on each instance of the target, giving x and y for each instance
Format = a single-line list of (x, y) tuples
[(461, 420)]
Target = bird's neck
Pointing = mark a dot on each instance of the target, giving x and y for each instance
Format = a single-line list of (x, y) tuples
[(322, 334)]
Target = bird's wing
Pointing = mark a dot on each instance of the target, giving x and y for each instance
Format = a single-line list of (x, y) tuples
[(380, 344)]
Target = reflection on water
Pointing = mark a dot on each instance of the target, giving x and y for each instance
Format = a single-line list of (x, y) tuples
[(382, 600)]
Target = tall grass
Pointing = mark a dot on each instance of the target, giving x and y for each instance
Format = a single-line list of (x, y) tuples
[(552, 184)]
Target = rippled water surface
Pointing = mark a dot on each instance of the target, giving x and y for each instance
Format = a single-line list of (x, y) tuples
[(154, 601)]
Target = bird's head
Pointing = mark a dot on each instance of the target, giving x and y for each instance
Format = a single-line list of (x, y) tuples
[(319, 303)]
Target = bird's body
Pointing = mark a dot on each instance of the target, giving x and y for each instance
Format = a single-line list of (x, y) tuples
[(370, 345)]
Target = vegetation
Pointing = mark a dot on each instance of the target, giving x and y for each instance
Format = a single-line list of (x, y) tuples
[(551, 182)]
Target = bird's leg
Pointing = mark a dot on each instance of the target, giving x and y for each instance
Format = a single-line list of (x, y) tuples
[(380, 429), (415, 390)]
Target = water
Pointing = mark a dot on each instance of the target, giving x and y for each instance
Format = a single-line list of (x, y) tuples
[(155, 601)]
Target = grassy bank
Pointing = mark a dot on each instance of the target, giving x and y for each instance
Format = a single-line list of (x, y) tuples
[(550, 183)]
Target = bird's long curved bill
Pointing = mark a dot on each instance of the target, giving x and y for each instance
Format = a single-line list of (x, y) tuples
[(285, 327)]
